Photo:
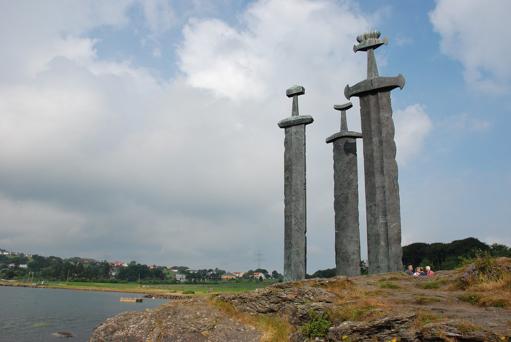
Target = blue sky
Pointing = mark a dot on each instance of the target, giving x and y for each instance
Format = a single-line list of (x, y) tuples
[(146, 130)]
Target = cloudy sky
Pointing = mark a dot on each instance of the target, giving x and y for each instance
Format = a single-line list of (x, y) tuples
[(147, 130)]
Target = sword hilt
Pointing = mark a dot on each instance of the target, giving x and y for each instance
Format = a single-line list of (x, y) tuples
[(343, 108), (294, 92)]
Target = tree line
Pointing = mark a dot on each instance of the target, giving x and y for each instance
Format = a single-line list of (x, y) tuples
[(36, 267), (440, 256), (447, 256)]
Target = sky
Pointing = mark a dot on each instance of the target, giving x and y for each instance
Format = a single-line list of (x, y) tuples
[(147, 130)]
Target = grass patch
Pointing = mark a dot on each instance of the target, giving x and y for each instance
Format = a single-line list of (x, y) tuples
[(317, 326), (466, 327), (432, 284), (352, 312), (394, 278), (40, 325), (472, 298), (425, 317), (484, 269), (388, 285), (188, 292), (274, 329), (485, 300), (424, 300), (134, 287)]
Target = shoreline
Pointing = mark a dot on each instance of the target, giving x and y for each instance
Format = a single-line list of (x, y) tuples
[(156, 293)]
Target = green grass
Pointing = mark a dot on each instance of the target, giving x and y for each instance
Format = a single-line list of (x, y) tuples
[(388, 285), (317, 326), (471, 298), (423, 300), (205, 288), (274, 328), (432, 284)]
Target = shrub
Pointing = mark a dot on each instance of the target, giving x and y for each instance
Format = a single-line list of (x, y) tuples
[(471, 298), (317, 326), (482, 269)]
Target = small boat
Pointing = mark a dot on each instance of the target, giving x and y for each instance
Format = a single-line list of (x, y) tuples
[(131, 300)]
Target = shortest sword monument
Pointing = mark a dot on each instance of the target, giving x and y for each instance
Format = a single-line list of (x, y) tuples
[(347, 234), (295, 211)]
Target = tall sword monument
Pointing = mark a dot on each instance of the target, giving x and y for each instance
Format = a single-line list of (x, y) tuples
[(380, 167), (347, 234), (295, 211)]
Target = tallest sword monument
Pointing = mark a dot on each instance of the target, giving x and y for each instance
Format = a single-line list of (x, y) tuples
[(380, 167)]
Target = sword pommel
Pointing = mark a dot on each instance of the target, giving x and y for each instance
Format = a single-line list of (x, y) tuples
[(342, 107), (295, 90), (369, 40)]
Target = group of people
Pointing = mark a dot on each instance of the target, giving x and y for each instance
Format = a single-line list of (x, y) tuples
[(419, 272)]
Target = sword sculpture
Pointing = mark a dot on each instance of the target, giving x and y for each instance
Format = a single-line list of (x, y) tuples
[(295, 211), (347, 234), (380, 167)]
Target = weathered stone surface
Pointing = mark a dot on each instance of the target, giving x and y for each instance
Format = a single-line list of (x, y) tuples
[(347, 234), (285, 300), (186, 321), (401, 328), (380, 167), (380, 330), (358, 309), (295, 212)]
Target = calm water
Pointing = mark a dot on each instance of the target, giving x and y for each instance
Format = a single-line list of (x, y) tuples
[(30, 314)]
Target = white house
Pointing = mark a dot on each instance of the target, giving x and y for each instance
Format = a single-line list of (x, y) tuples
[(180, 277)]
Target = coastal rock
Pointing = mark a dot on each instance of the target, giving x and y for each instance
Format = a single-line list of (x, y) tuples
[(63, 334), (294, 300), (183, 321), (386, 307)]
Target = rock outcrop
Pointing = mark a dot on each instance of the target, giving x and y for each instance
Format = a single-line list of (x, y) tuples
[(388, 307)]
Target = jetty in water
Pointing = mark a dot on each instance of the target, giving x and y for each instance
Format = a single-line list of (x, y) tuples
[(131, 300)]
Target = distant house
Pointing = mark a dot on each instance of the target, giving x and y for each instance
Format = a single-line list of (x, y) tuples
[(228, 276), (238, 274), (180, 277), (11, 265), (258, 275), (118, 264), (25, 266)]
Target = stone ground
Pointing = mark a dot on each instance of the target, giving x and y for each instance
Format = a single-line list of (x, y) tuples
[(390, 307), (181, 321)]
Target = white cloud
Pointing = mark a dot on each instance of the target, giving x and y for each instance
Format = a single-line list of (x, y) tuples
[(187, 170), (273, 48), (33, 33), (164, 166), (472, 33), (413, 125), (467, 122)]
